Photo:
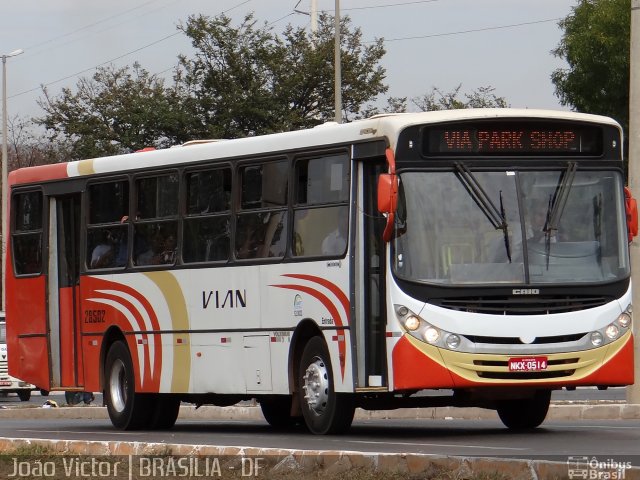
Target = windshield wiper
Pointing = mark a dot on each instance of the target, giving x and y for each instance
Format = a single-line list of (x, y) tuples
[(557, 202), (496, 217)]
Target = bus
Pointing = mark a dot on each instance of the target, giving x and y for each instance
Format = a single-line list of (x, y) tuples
[(453, 258)]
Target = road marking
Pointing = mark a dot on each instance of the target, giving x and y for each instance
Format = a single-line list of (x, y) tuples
[(73, 431), (622, 427), (448, 445)]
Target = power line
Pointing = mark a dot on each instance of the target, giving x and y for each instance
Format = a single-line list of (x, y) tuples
[(115, 58), (36, 45), (389, 5), (475, 30), (96, 66)]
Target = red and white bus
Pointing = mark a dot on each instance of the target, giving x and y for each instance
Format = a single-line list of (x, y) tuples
[(480, 253)]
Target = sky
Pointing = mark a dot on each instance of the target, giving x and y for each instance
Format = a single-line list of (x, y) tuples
[(505, 44)]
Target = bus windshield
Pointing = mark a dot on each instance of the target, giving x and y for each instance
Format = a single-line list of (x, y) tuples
[(511, 227)]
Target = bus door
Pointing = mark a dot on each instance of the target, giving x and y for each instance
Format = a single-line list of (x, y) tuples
[(370, 290), (63, 290)]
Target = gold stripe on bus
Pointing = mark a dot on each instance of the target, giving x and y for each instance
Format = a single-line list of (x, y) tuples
[(85, 167), (172, 293), (470, 365)]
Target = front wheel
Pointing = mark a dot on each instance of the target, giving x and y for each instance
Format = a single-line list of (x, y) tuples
[(24, 395), (525, 413), (127, 409), (324, 410), (276, 410)]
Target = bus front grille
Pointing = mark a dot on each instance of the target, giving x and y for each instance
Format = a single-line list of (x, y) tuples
[(518, 341), (530, 305)]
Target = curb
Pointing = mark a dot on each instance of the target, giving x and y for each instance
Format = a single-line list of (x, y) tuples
[(277, 463)]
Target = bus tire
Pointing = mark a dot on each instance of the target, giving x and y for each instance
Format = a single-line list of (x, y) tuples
[(525, 413), (324, 410), (24, 395), (165, 412), (127, 409), (277, 411)]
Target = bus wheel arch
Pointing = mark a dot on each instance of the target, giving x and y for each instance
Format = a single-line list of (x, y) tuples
[(305, 330), (112, 335)]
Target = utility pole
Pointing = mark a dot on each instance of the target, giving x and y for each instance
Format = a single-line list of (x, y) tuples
[(5, 173), (338, 67), (314, 16), (633, 391)]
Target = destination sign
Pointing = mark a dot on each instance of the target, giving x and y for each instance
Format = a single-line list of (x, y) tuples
[(515, 138)]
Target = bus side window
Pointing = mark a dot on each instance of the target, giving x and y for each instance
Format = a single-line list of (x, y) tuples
[(107, 233), (156, 225), (321, 208), (206, 227), (261, 225), (27, 233)]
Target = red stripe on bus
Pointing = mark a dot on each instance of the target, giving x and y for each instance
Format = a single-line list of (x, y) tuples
[(333, 311), (39, 174), (330, 286)]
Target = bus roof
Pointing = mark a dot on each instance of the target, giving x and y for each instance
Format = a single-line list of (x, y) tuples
[(387, 126)]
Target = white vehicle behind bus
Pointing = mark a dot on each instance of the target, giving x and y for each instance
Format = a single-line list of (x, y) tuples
[(9, 384)]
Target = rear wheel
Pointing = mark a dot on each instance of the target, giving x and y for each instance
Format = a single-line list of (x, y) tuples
[(165, 412), (525, 413), (127, 409), (324, 410)]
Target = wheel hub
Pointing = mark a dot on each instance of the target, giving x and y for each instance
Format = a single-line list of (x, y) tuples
[(118, 386), (316, 386)]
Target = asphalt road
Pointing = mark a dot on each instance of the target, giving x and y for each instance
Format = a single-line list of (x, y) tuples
[(555, 440)]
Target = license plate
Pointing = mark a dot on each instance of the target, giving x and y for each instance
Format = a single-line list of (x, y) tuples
[(5, 384), (528, 364)]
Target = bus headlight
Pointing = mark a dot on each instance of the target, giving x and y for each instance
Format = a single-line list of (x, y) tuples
[(612, 331), (624, 320), (596, 339), (431, 334), (420, 329), (412, 323), (453, 341)]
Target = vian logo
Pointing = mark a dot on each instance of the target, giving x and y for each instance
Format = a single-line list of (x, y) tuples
[(526, 291)]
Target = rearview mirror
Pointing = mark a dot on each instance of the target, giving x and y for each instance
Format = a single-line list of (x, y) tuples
[(631, 208), (387, 193)]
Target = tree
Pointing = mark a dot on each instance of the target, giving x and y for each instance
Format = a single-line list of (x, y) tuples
[(117, 110), (247, 80), (26, 148), (436, 99), (595, 45)]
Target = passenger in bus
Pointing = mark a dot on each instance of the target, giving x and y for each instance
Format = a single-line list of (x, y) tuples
[(335, 243), (168, 251), (103, 253)]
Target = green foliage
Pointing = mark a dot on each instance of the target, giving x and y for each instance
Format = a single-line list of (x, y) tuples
[(436, 99), (595, 45), (246, 80), (115, 111)]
